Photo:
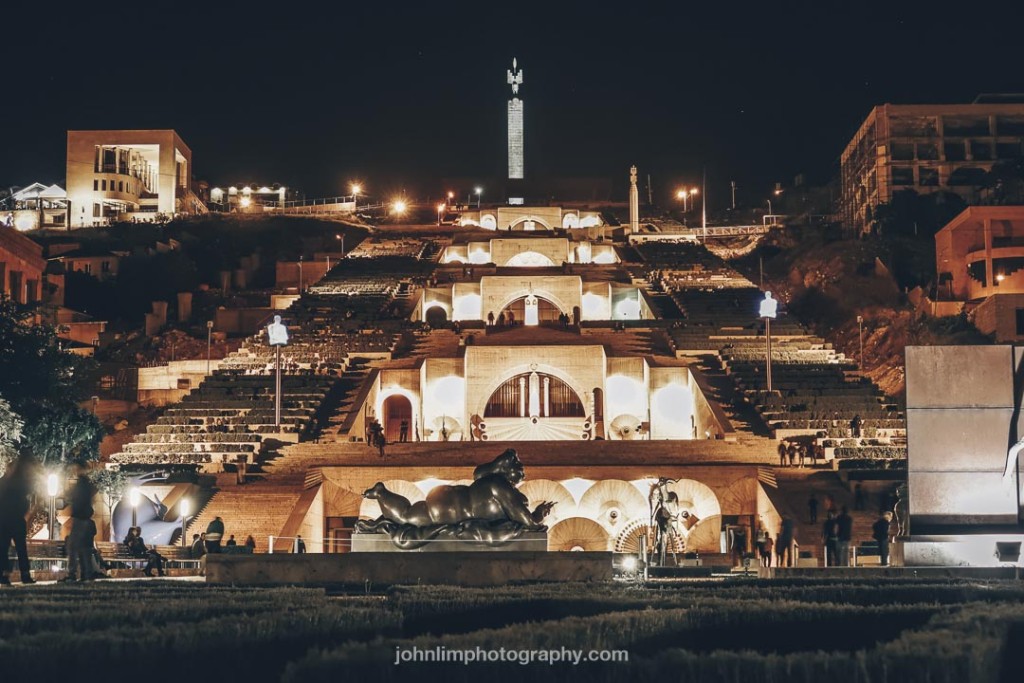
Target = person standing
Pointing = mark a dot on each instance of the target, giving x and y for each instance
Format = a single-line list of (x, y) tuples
[(214, 533), (782, 453), (844, 531), (403, 431), (766, 552), (855, 425), (880, 532), (198, 548), (830, 537), (250, 543), (81, 540), (785, 548), (812, 508), (231, 542), (14, 493), (300, 545)]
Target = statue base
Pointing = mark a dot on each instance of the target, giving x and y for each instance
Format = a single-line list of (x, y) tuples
[(533, 541)]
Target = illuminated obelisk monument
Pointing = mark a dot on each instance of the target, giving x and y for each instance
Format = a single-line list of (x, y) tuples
[(515, 128)]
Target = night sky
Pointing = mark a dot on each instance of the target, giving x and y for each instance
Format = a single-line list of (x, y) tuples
[(401, 96)]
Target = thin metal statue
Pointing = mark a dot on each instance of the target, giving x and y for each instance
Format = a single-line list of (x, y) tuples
[(490, 510)]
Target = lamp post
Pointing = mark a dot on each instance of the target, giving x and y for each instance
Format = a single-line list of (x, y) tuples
[(300, 273), (451, 196), (440, 208), (768, 309), (133, 498), (209, 343), (277, 336), (341, 238), (860, 337), (184, 506), (479, 192), (52, 488)]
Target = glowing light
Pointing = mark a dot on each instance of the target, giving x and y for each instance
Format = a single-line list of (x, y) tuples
[(478, 190), (1000, 277), (245, 202), (25, 221), (356, 188), (51, 485), (681, 194), (246, 190), (625, 396), (440, 208), (628, 309), (133, 497), (467, 307), (429, 484), (451, 195), (184, 507), (400, 206), (447, 396), (629, 564), (577, 487), (594, 306)]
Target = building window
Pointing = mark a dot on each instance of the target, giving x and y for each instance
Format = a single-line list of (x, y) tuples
[(1008, 150), (902, 175), (103, 184), (928, 151), (954, 151), (95, 185), (902, 151), (981, 151), (105, 266), (120, 186), (928, 177), (1020, 322)]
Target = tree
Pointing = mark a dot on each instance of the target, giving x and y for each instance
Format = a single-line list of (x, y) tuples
[(43, 385), (111, 484), (11, 428)]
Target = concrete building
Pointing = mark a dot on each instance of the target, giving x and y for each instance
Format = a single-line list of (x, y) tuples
[(38, 206), (124, 175), (21, 267), (979, 257), (926, 148), (248, 197)]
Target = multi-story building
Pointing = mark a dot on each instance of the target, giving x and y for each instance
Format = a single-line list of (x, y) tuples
[(21, 267), (117, 175), (926, 148), (38, 206), (248, 197)]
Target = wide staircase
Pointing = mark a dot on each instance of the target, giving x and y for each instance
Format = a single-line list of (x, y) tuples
[(258, 508), (794, 490)]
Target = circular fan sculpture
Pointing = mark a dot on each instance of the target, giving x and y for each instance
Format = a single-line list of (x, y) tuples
[(541, 490), (625, 427), (628, 540), (696, 498), (612, 503), (370, 509), (705, 536), (578, 534), (445, 429)]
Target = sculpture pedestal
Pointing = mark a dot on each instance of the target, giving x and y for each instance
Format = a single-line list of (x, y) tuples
[(532, 541)]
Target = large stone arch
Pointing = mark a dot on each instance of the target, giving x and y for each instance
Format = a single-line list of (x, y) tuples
[(530, 259), (509, 373), (518, 294), (525, 219)]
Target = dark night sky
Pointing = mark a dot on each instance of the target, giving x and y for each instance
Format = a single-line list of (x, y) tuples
[(401, 95)]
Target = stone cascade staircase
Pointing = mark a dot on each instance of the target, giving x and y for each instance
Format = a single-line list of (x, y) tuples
[(795, 486), (259, 508)]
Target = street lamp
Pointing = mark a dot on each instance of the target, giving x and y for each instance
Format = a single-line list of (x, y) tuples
[(479, 191), (133, 498), (52, 489), (277, 336), (860, 336), (768, 309), (451, 196), (185, 509), (356, 189), (440, 208), (399, 207), (300, 273), (209, 342)]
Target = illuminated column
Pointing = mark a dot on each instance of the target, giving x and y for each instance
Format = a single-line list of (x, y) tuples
[(534, 394), (532, 315), (515, 124), (634, 202), (522, 397), (547, 397)]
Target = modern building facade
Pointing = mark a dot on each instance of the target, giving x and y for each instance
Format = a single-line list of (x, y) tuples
[(118, 175), (925, 148), (21, 267), (979, 256), (38, 206)]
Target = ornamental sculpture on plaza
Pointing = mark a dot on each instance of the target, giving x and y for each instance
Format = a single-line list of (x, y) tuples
[(490, 511)]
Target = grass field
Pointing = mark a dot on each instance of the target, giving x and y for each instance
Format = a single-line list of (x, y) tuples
[(783, 630)]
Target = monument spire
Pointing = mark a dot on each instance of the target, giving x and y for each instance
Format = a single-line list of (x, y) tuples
[(515, 124), (634, 202)]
